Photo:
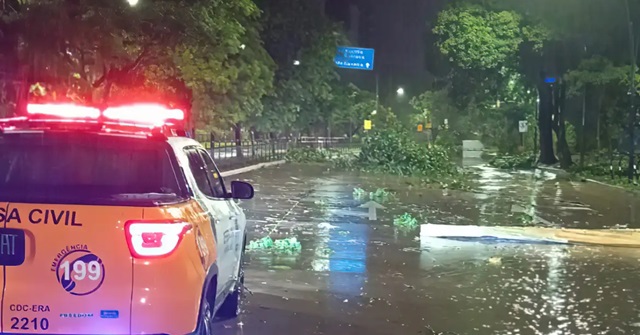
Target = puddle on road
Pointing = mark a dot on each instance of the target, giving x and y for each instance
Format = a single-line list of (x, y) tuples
[(371, 270)]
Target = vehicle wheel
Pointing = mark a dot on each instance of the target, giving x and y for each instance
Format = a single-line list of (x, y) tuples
[(205, 321), (231, 306)]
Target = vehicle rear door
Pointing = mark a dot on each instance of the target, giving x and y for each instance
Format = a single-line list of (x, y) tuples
[(70, 195), (77, 273)]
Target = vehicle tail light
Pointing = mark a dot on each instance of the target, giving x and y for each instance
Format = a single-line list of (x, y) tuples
[(143, 113), (67, 111), (154, 238)]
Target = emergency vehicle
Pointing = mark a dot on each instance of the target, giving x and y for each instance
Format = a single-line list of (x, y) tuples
[(112, 221)]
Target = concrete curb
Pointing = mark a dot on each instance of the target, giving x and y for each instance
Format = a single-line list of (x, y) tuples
[(559, 172), (563, 173), (250, 168), (605, 184)]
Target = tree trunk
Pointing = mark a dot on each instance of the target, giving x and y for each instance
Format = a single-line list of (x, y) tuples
[(238, 139), (107, 92), (601, 94), (563, 148), (272, 140), (598, 130), (547, 155)]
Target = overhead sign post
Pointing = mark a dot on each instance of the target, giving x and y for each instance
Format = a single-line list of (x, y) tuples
[(357, 59), (354, 58)]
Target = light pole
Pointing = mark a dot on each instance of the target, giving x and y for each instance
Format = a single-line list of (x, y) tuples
[(583, 126), (535, 130), (377, 91), (632, 92)]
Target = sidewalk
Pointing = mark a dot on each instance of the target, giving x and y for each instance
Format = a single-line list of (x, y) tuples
[(250, 168), (566, 175)]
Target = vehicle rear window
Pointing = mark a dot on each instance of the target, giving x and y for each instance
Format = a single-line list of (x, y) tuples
[(86, 168)]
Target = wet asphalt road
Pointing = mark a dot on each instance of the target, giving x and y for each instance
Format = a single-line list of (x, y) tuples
[(354, 276)]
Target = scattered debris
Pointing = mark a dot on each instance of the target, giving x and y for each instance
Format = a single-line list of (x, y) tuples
[(495, 260), (359, 193), (326, 225), (430, 331), (405, 221), (286, 245), (381, 195), (322, 205)]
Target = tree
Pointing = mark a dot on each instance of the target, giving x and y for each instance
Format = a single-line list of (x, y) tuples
[(541, 40), (302, 44), (483, 46), (577, 30), (475, 38), (355, 106), (95, 45), (602, 84), (194, 53)]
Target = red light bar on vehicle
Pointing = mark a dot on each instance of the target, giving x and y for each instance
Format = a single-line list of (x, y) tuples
[(152, 114), (143, 113), (66, 111)]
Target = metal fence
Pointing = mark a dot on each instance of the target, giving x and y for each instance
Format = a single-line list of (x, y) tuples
[(228, 155)]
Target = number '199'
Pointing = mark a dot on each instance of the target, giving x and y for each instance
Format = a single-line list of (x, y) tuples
[(81, 270)]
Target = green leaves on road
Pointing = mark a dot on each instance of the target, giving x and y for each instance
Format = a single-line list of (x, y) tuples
[(286, 245), (380, 195), (405, 222)]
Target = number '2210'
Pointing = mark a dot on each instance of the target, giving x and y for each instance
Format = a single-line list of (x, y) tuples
[(27, 324)]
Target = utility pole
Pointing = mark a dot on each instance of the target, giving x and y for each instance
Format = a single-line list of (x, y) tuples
[(582, 131), (377, 91), (535, 129), (632, 92), (584, 123)]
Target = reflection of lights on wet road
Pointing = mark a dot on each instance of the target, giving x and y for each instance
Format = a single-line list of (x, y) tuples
[(348, 260), (341, 250), (320, 262), (341, 247), (557, 288)]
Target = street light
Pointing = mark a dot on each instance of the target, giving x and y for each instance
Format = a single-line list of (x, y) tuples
[(374, 112), (632, 93), (242, 46), (132, 2), (296, 62), (400, 91)]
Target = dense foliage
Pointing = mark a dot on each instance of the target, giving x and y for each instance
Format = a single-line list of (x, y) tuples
[(242, 64), (502, 56), (394, 151), (523, 161)]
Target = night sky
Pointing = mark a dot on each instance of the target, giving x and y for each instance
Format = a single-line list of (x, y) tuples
[(399, 31)]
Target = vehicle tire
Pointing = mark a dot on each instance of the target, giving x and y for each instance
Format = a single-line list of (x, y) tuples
[(231, 306), (204, 328)]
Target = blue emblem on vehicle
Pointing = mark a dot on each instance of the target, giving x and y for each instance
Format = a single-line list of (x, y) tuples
[(111, 314)]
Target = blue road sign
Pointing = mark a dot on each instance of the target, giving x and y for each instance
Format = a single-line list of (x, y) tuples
[(354, 58)]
